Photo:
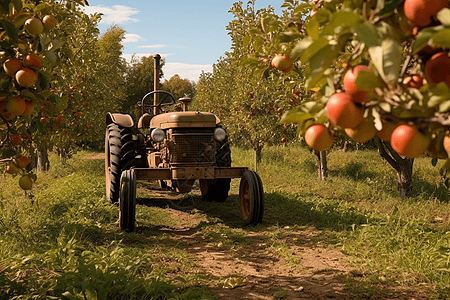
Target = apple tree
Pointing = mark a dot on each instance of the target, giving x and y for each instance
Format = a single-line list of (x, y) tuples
[(249, 109), (56, 121), (29, 49), (179, 87), (380, 70)]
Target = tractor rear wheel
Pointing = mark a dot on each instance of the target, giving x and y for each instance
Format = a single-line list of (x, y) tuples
[(119, 156), (217, 189)]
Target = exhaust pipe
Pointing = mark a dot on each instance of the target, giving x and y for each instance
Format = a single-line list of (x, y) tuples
[(156, 67)]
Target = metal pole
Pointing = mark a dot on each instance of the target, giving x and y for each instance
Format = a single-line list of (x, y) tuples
[(156, 68)]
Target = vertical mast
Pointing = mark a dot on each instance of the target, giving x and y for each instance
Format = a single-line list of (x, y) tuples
[(156, 68)]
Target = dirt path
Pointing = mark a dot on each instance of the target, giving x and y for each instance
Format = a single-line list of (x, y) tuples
[(266, 275), (253, 271)]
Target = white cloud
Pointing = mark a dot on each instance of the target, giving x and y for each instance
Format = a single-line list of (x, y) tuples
[(116, 14), (152, 46), (131, 38), (191, 72)]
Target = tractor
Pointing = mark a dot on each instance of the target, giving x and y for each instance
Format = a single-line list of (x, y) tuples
[(175, 147)]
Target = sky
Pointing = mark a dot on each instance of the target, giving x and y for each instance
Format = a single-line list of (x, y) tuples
[(190, 35)]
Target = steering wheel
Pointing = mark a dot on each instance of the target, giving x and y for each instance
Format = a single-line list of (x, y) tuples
[(162, 101)]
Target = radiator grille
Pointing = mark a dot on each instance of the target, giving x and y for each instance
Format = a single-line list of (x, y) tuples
[(192, 147)]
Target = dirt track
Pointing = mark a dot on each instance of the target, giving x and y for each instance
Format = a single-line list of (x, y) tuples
[(251, 271)]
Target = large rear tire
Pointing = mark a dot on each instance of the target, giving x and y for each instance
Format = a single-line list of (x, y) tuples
[(119, 156), (217, 189), (127, 201)]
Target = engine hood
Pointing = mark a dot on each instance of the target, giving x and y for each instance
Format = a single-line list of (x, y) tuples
[(184, 119)]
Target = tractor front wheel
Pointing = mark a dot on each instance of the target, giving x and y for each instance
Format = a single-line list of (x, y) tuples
[(127, 201), (251, 198)]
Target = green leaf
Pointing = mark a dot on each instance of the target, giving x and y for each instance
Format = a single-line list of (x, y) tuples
[(300, 48), (287, 37), (422, 39), (319, 63), (55, 45), (259, 41), (246, 41), (43, 81), (296, 115), (444, 16), (366, 80), (51, 56), (434, 161), (440, 93), (11, 30), (28, 94), (387, 60), (312, 28), (323, 16), (20, 20), (264, 24), (389, 7), (341, 19), (313, 48), (7, 153), (41, 6), (441, 39), (17, 4), (303, 7), (367, 33), (392, 58), (4, 4), (444, 107), (6, 82)]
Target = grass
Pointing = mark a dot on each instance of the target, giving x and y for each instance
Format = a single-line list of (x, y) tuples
[(65, 240)]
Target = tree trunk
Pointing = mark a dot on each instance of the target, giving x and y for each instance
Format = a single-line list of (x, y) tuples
[(345, 147), (43, 164), (403, 166), (404, 174), (63, 155), (258, 149), (322, 166)]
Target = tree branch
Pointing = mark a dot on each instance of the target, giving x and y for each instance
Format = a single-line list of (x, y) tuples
[(384, 154)]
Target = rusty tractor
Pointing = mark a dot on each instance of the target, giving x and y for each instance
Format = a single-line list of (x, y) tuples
[(180, 147)]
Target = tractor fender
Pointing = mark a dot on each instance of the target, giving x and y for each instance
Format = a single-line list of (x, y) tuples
[(120, 119)]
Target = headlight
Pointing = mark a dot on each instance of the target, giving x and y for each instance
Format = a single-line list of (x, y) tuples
[(158, 135), (220, 134)]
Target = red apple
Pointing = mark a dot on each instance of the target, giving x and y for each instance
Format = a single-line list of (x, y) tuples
[(26, 77), (318, 137), (11, 66), (32, 60), (49, 22), (408, 141), (34, 26), (282, 62), (343, 112)]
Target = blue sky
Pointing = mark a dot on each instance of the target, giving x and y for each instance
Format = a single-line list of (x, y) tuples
[(189, 35)]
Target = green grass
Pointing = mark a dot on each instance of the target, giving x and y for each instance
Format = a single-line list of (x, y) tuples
[(65, 240)]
